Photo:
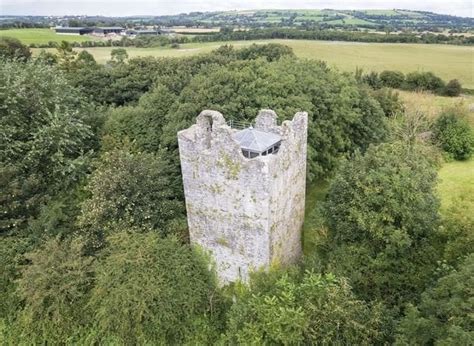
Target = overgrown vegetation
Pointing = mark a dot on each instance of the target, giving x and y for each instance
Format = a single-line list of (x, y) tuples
[(94, 243)]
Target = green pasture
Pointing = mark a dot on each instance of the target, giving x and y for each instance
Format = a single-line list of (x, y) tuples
[(456, 185), (447, 61), (42, 36)]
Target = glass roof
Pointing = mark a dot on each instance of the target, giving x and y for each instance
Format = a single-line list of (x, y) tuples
[(256, 140)]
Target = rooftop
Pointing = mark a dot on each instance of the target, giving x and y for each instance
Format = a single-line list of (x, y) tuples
[(256, 140)]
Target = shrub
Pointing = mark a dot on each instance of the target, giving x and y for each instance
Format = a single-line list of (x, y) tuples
[(150, 290), (373, 80), (382, 212), (54, 287), (12, 48), (444, 315), (389, 101), (392, 79), (129, 190), (453, 88), (423, 81), (293, 308), (454, 135)]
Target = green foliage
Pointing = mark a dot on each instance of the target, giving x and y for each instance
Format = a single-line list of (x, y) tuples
[(129, 189), (118, 55), (301, 308), (454, 135), (46, 58), (392, 79), (12, 48), (143, 123), (270, 51), (456, 234), (373, 80), (342, 116), (444, 315), (45, 138), (420, 81), (12, 249), (453, 88), (151, 291), (54, 288), (382, 213), (389, 101)]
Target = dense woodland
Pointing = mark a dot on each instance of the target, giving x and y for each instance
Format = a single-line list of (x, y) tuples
[(93, 235)]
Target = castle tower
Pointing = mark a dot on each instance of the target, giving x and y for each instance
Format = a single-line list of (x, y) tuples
[(245, 190)]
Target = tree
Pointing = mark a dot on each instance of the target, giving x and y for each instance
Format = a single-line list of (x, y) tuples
[(301, 308), (342, 116), (444, 315), (392, 79), (12, 48), (47, 58), (382, 215), (118, 55), (54, 287), (143, 123), (423, 81), (66, 55), (389, 101), (453, 88), (454, 135), (150, 290), (129, 189), (45, 140)]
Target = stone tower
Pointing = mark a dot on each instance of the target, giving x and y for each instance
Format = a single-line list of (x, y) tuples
[(245, 190)]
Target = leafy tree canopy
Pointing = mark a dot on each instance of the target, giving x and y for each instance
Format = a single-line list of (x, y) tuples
[(444, 315), (382, 214), (301, 308), (150, 290), (45, 138)]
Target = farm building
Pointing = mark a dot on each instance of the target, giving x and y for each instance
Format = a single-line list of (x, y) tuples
[(106, 30), (99, 31), (73, 31)]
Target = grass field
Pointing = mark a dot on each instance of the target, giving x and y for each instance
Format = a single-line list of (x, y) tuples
[(447, 61), (432, 105), (456, 185), (41, 36)]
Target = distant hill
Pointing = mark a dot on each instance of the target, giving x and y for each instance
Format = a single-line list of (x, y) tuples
[(383, 20), (396, 19)]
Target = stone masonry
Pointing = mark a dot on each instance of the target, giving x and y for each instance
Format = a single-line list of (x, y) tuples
[(247, 213)]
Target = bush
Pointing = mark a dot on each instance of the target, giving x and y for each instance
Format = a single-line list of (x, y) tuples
[(392, 79), (130, 190), (382, 213), (444, 315), (420, 81), (12, 48), (373, 80), (293, 308), (150, 291), (389, 101), (453, 88), (454, 135), (54, 287)]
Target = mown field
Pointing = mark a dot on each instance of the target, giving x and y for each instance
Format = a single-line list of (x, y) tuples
[(447, 61), (42, 36)]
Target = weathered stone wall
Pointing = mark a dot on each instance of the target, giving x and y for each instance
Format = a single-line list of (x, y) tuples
[(247, 212)]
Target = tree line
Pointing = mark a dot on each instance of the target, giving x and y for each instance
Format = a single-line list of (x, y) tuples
[(94, 241)]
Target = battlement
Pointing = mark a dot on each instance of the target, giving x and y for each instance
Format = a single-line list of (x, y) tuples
[(244, 190)]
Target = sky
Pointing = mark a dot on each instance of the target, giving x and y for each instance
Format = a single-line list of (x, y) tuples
[(462, 8)]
